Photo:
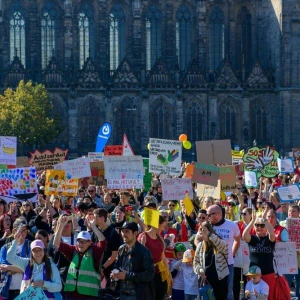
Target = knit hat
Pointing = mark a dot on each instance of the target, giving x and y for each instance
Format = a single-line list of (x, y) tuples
[(179, 247)]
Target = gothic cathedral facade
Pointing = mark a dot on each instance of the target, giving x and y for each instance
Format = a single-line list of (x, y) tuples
[(213, 69)]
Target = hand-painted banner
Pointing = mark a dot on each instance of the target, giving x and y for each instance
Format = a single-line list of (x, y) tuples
[(206, 174), (57, 184), (263, 160), (125, 183), (75, 168), (123, 167), (285, 256), (165, 156), (46, 160), (175, 188), (103, 136), (17, 182), (32, 293), (8, 150), (95, 156), (293, 228), (251, 180), (286, 165), (227, 176), (289, 193), (113, 150)]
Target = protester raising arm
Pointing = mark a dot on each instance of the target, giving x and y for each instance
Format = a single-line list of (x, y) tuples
[(246, 233)]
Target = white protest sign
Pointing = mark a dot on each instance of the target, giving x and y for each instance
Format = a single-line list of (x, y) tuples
[(8, 150), (242, 257), (285, 165), (293, 228), (175, 188), (165, 156), (75, 168), (289, 193), (251, 179), (95, 156), (285, 256), (123, 167), (125, 183)]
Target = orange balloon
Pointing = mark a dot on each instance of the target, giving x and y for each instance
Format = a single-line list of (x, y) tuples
[(182, 137)]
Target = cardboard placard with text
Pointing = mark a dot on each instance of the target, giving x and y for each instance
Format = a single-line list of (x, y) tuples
[(8, 150), (214, 152), (204, 190), (228, 178), (285, 256), (113, 150), (293, 228), (206, 174), (22, 162), (175, 188), (75, 168)]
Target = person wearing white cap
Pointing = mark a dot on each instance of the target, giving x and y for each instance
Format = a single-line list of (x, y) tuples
[(39, 270), (83, 279)]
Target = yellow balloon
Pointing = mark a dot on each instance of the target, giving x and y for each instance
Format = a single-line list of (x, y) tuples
[(187, 145), (148, 146)]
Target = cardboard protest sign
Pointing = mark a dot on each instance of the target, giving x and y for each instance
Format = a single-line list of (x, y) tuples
[(22, 162), (214, 152), (251, 180), (204, 190), (113, 150), (17, 182), (175, 188), (293, 228), (165, 156), (188, 204), (285, 256), (242, 257), (289, 193), (296, 153), (32, 293), (95, 156), (57, 184), (263, 160), (227, 176), (206, 174), (125, 183), (151, 217), (147, 180), (239, 169), (237, 157), (286, 165), (189, 171), (97, 173), (75, 168), (8, 150), (123, 167), (47, 159)]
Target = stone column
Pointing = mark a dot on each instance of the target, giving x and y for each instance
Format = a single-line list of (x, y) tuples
[(73, 127)]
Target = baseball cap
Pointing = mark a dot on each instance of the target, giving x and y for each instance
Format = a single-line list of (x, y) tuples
[(254, 270), (85, 235), (179, 247), (37, 244), (188, 255), (129, 225)]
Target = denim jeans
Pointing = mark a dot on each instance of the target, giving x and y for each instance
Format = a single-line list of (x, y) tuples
[(290, 277), (230, 283), (190, 297), (125, 297)]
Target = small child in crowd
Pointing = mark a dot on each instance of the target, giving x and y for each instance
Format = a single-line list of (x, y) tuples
[(189, 276), (256, 288)]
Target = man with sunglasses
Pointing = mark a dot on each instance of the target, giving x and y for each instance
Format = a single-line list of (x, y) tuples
[(92, 193), (228, 231), (261, 247), (83, 279)]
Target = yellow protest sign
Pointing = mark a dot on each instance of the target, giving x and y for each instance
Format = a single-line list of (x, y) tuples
[(151, 217), (189, 207)]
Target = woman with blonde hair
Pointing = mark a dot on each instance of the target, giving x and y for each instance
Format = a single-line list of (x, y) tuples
[(210, 262), (207, 202)]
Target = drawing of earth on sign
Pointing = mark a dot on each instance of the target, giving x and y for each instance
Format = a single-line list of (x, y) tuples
[(263, 160), (170, 157)]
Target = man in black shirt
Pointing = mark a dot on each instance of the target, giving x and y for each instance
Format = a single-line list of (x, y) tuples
[(114, 241)]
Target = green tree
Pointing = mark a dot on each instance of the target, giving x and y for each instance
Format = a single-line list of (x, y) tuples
[(27, 114)]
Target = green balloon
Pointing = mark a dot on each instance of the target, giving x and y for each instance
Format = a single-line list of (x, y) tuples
[(187, 145)]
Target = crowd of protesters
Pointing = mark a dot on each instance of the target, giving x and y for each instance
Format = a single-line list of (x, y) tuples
[(96, 244)]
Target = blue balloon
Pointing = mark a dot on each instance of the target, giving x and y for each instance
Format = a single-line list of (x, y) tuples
[(103, 136)]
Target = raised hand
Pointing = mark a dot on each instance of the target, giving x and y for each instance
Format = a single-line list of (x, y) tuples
[(268, 156), (254, 164)]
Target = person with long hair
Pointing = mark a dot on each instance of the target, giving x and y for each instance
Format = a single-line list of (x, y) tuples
[(43, 236), (5, 226), (210, 262), (152, 240), (39, 270), (27, 211)]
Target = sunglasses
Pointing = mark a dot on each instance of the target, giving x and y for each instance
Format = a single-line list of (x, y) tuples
[(211, 214), (260, 225), (202, 218), (259, 202), (243, 214)]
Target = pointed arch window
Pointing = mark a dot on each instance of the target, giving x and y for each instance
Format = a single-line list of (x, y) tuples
[(244, 51), (160, 127), (117, 38), (153, 35), (183, 36), (86, 33), (17, 41), (194, 121), (48, 33), (216, 38), (259, 124), (228, 122)]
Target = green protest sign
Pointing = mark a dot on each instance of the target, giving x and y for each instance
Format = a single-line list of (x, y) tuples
[(148, 176)]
